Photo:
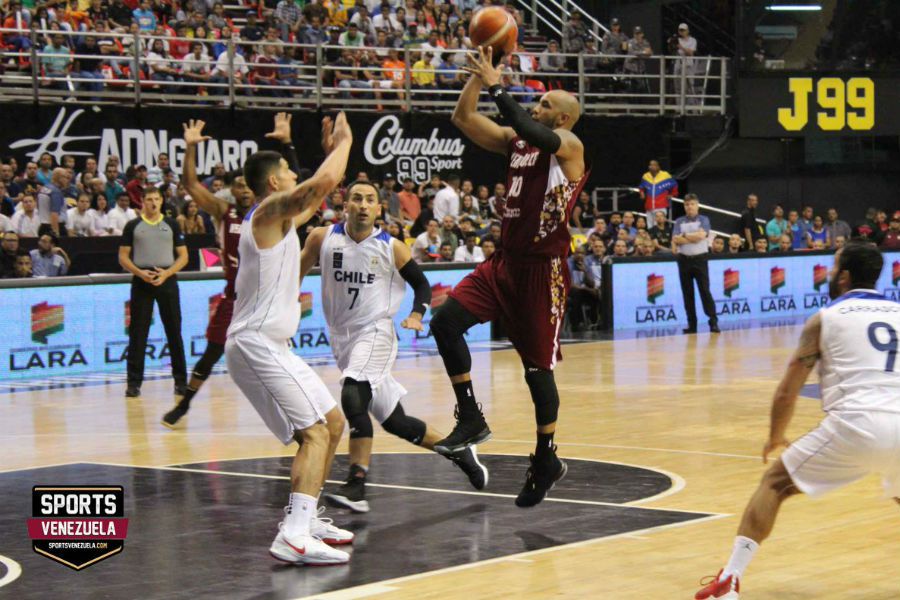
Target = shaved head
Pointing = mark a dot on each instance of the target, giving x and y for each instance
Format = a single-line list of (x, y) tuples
[(566, 103)]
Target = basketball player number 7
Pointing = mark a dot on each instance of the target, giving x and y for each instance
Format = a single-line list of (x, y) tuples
[(890, 346), (355, 293)]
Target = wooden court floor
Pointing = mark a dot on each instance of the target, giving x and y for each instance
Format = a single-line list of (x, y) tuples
[(693, 407)]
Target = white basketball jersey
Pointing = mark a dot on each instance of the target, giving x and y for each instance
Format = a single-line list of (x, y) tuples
[(267, 285), (860, 368), (360, 282)]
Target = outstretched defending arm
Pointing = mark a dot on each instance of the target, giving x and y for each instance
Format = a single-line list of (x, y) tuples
[(205, 199), (413, 275), (310, 254), (282, 133), (283, 206), (802, 362)]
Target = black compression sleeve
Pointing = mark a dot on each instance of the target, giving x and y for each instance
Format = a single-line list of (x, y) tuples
[(528, 129), (290, 155), (412, 273)]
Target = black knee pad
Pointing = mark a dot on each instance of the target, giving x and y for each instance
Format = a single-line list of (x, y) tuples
[(355, 399), (449, 324), (403, 426), (543, 393), (210, 357)]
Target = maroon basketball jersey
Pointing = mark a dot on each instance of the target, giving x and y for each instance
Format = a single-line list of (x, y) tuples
[(539, 202), (229, 235)]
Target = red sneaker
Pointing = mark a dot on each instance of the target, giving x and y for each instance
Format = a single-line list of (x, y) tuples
[(726, 589)]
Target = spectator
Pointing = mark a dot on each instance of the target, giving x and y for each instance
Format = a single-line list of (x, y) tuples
[(717, 246), (835, 227), (819, 233), (469, 252), (22, 267), (266, 72), (468, 211), (364, 22), (47, 259), (620, 249), (785, 244), (315, 9), (496, 201), (314, 33), (396, 231), (806, 217), (488, 247), (431, 188), (761, 246), (385, 20), (690, 239), (80, 218), (45, 170), (686, 48), (153, 250), (135, 187), (352, 38), (347, 75), (776, 227), (387, 194), (9, 250), (449, 232), (661, 232), (838, 243), (410, 206), (56, 61), (656, 188), (445, 254), (161, 68), (550, 60), (514, 80), (750, 226), (196, 67), (52, 204), (601, 231), (584, 292), (189, 221), (614, 42), (800, 240), (287, 18), (644, 247), (423, 72), (574, 33), (628, 225), (26, 222), (735, 244), (89, 68), (121, 214), (891, 239), (101, 226), (145, 17), (113, 187), (252, 32), (426, 246), (448, 76), (446, 201), (638, 50), (597, 258)]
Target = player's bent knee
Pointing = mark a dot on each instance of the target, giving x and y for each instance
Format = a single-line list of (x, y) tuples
[(335, 423), (316, 435), (544, 394), (403, 426), (779, 480), (355, 399)]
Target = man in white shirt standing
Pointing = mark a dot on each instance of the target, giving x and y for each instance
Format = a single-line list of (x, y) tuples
[(446, 201), (81, 217), (469, 252), (121, 214), (26, 221), (687, 48)]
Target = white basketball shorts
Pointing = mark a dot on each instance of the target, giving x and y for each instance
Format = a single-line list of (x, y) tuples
[(845, 447), (283, 389), (369, 355)]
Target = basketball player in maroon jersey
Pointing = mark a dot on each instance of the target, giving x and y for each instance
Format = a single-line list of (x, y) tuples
[(526, 280), (228, 221)]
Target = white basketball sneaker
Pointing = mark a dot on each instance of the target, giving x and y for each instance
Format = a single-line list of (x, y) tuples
[(305, 550), (324, 529)]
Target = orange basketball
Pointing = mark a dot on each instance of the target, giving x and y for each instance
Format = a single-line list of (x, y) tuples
[(494, 27)]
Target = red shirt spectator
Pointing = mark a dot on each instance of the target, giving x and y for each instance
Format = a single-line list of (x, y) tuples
[(135, 187)]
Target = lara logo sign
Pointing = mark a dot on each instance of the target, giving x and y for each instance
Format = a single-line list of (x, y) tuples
[(78, 526), (414, 157)]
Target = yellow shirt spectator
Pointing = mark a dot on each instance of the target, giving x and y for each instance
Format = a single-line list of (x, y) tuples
[(423, 73)]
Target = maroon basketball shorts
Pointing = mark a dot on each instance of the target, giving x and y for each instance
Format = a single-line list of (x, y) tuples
[(529, 295), (218, 325)]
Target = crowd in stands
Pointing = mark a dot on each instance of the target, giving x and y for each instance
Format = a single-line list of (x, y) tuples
[(184, 46)]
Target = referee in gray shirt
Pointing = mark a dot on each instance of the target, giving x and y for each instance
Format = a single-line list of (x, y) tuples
[(153, 250), (690, 243)]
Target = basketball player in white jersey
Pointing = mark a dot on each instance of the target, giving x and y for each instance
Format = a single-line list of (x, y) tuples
[(363, 274), (287, 394), (855, 341)]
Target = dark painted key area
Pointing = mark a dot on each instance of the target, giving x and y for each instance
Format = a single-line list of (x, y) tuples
[(205, 535)]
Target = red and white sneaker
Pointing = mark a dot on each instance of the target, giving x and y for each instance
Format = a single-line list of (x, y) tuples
[(723, 589), (305, 550), (324, 529)]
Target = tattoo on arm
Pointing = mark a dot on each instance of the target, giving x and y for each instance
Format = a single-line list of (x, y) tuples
[(287, 204)]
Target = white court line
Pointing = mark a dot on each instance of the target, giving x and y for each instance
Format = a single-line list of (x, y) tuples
[(410, 488), (364, 590), (13, 570), (615, 447), (33, 467)]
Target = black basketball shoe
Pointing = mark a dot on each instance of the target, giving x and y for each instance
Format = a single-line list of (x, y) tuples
[(467, 461), (542, 475), (173, 416), (132, 391), (352, 494), (471, 429)]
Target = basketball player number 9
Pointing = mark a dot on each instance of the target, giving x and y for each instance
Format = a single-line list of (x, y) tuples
[(890, 346)]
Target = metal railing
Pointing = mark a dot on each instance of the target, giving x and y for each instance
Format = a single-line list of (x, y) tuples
[(554, 15), (297, 75)]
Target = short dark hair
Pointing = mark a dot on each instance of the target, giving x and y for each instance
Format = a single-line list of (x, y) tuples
[(863, 261), (453, 177), (691, 198), (150, 191), (119, 195), (258, 168), (356, 182)]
